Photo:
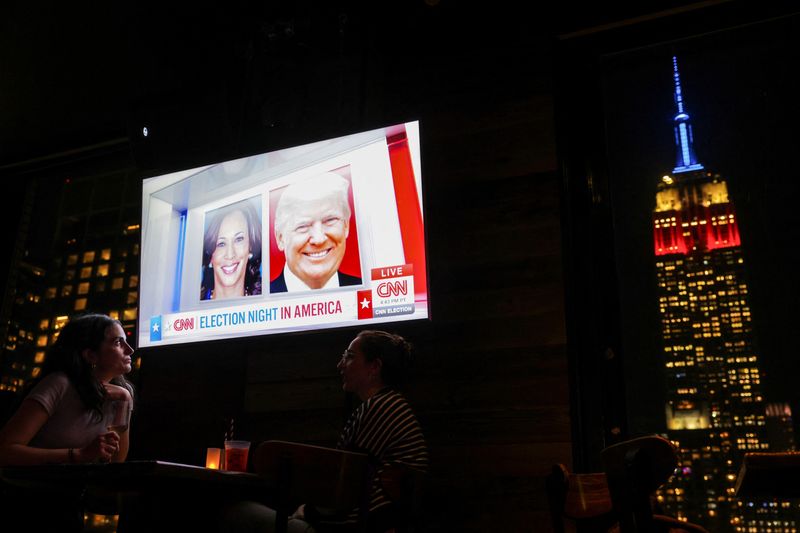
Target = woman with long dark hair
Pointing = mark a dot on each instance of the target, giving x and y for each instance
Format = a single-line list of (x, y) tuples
[(232, 253), (65, 418)]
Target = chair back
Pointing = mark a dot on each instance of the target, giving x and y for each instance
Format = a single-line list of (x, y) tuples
[(334, 481), (634, 469), (582, 500)]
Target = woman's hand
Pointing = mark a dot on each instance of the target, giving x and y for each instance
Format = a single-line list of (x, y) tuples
[(101, 449), (115, 392)]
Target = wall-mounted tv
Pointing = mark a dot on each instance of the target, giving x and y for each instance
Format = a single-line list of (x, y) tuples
[(323, 235)]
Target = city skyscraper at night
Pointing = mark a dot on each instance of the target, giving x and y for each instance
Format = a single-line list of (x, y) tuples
[(90, 265), (715, 405)]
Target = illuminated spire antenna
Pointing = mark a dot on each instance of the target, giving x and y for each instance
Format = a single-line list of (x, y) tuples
[(685, 159)]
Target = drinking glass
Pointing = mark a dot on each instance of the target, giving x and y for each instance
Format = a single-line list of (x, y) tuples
[(120, 416), (236, 452)]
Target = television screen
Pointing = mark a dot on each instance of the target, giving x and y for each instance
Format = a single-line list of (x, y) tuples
[(322, 235)]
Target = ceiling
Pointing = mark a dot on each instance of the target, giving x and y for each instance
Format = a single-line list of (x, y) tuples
[(72, 74)]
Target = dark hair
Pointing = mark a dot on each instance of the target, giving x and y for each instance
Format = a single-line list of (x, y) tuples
[(393, 351), (66, 355), (252, 275)]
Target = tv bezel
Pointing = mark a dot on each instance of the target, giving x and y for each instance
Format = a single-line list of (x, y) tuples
[(389, 322)]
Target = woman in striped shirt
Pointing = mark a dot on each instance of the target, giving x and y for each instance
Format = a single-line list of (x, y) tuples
[(383, 426)]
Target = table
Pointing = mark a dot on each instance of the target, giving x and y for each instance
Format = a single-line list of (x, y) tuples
[(769, 475), (148, 495)]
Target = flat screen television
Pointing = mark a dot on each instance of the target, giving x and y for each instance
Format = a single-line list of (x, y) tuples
[(324, 235)]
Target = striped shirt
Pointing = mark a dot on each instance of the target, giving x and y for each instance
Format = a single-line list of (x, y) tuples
[(385, 428)]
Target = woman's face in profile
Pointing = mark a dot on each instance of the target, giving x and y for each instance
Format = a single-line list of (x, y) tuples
[(113, 357), (231, 252), (357, 373)]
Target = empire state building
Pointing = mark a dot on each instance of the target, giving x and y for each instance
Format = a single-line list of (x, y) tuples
[(715, 409)]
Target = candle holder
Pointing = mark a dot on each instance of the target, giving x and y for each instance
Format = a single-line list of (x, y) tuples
[(213, 458)]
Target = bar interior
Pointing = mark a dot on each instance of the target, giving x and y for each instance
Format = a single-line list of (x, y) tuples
[(419, 266)]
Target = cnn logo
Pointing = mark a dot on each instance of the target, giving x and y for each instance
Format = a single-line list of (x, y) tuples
[(181, 324), (392, 288)]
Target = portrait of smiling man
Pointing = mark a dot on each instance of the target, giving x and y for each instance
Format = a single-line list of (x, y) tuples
[(312, 223)]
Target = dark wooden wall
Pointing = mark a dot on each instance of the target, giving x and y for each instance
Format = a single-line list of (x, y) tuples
[(491, 384)]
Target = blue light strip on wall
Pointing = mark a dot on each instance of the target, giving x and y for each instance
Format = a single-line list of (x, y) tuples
[(176, 292)]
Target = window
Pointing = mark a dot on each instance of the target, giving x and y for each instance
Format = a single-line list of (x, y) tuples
[(83, 288), (86, 272), (51, 292), (105, 254), (66, 290), (72, 259), (670, 180), (129, 314), (88, 257), (80, 304), (133, 281), (102, 270), (116, 283)]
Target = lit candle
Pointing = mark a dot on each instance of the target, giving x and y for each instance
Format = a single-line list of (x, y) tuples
[(212, 458)]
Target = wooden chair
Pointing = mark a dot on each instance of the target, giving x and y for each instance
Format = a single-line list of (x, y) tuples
[(582, 500), (334, 481), (635, 469), (617, 500)]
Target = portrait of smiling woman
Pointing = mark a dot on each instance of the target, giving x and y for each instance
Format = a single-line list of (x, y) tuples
[(232, 252)]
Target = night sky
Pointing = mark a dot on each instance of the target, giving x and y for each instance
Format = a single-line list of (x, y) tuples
[(741, 89)]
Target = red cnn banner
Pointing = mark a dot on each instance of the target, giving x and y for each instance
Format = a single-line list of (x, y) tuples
[(364, 304), (398, 271)]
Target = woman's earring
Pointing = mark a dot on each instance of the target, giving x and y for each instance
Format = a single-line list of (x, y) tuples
[(209, 265), (250, 256)]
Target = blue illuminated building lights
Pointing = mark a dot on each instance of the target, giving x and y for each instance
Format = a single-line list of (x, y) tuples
[(686, 161)]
